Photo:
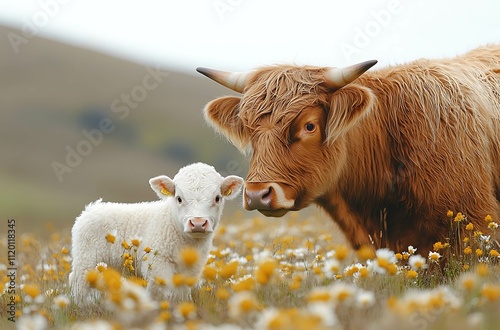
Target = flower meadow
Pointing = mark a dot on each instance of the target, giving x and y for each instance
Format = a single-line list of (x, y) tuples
[(291, 273)]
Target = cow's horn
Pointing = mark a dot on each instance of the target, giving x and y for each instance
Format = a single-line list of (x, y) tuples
[(233, 80), (339, 77)]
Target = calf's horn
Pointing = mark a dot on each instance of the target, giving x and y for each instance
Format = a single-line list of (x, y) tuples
[(339, 77), (233, 80)]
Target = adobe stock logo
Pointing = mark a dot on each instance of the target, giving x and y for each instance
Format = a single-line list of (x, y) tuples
[(364, 35), (31, 27), (94, 137)]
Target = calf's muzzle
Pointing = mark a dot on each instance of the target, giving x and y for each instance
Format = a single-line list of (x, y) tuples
[(199, 225)]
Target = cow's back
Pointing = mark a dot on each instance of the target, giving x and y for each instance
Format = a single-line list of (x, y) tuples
[(440, 123)]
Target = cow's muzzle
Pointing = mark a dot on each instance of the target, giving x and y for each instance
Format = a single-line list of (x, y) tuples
[(268, 198)]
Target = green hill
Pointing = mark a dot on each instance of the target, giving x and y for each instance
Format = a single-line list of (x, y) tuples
[(77, 125)]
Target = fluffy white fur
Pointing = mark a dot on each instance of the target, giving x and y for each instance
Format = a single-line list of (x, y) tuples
[(166, 226)]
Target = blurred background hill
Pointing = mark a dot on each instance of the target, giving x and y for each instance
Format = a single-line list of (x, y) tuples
[(51, 92)]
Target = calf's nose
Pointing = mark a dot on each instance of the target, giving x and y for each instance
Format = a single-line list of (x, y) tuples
[(259, 196), (198, 225)]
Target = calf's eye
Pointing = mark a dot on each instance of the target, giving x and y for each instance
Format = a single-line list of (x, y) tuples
[(217, 199), (179, 200), (310, 127)]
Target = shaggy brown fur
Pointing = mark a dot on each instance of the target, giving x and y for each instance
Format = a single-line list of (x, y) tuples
[(394, 150)]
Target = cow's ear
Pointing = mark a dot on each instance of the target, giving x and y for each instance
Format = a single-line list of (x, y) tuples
[(163, 186), (347, 106), (231, 186), (222, 115)]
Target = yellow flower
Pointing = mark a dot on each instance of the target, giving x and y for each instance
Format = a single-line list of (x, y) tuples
[(209, 273), (125, 245), (178, 280), (491, 292), (494, 253), (365, 253), (493, 225), (222, 294), (488, 218), (466, 240), (294, 285), (160, 281), (467, 250), (392, 269), (246, 284), (110, 238), (187, 310), (228, 270), (364, 272), (190, 280), (479, 252), (112, 279), (164, 316), (411, 274), (92, 277), (147, 249), (164, 305), (449, 214), (399, 256), (32, 290), (189, 256), (438, 246), (64, 250), (136, 242), (469, 226), (265, 271), (459, 217), (318, 295), (482, 270), (341, 252)]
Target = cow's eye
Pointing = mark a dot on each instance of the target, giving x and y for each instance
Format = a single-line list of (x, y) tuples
[(310, 127), (179, 200), (217, 199)]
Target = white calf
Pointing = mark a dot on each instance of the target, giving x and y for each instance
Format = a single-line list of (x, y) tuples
[(187, 214)]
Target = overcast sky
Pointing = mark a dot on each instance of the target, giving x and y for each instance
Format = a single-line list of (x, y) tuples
[(244, 34)]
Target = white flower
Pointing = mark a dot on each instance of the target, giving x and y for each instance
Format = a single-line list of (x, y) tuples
[(61, 301), (417, 262), (241, 303), (411, 249), (387, 254), (434, 256), (385, 257), (101, 266), (32, 322), (324, 311), (365, 298), (342, 292), (331, 267)]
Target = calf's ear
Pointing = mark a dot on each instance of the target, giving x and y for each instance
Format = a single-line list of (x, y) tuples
[(222, 115), (163, 186), (347, 106), (231, 186)]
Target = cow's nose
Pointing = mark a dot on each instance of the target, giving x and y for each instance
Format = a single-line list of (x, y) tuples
[(259, 196), (198, 225)]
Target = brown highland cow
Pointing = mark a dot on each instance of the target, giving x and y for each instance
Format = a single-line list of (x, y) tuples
[(385, 153)]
